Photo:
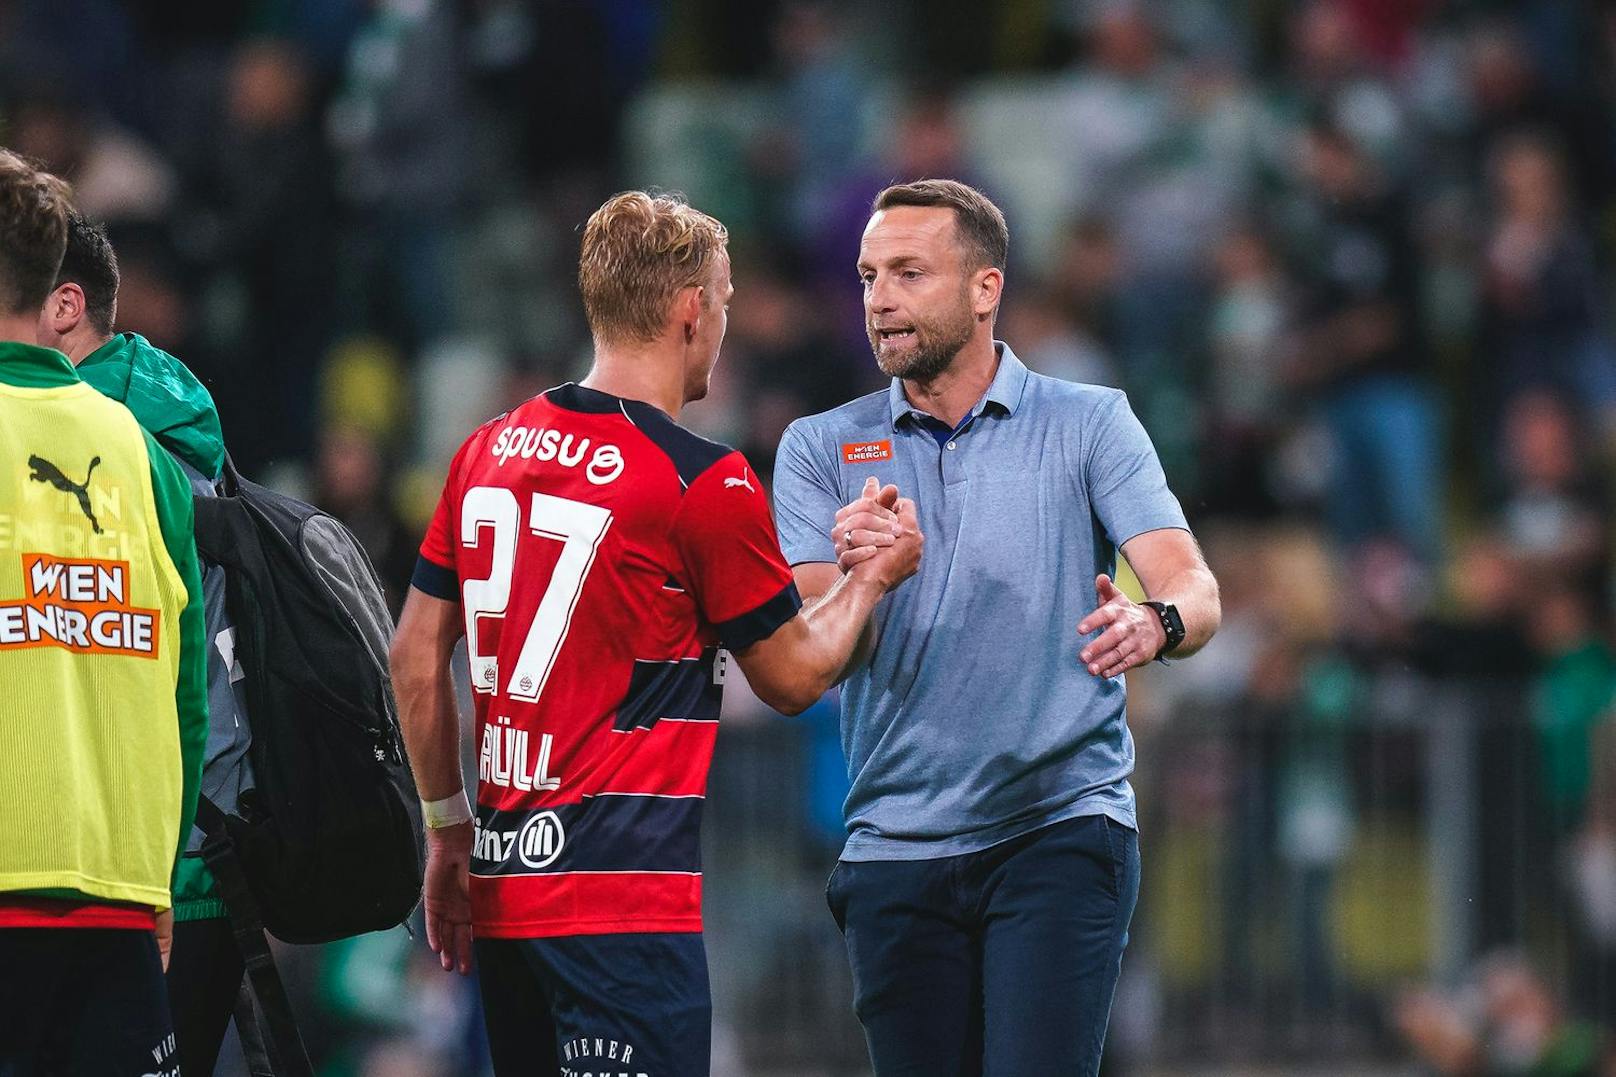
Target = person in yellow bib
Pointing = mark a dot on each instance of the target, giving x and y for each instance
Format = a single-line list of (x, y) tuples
[(103, 705)]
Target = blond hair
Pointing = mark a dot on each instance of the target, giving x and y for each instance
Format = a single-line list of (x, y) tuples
[(33, 232), (639, 250)]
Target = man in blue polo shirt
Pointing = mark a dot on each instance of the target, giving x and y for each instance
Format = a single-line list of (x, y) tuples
[(992, 860)]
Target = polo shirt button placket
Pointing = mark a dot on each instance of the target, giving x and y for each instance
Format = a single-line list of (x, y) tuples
[(952, 463)]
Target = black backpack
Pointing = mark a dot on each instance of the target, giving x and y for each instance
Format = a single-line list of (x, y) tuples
[(328, 843), (330, 839)]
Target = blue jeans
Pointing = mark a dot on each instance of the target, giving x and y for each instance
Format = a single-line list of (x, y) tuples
[(1388, 479), (1002, 961)]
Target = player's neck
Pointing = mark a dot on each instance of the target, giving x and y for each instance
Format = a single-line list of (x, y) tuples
[(19, 329), (953, 393), (80, 345), (655, 379)]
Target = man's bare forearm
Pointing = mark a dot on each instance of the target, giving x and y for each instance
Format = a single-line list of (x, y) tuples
[(1194, 591), (430, 722), (419, 660), (808, 654), (832, 607)]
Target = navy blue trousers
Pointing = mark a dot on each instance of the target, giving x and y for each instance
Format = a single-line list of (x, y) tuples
[(1002, 961), (632, 1005)]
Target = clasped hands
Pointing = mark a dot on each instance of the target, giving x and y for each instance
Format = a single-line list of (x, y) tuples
[(878, 536)]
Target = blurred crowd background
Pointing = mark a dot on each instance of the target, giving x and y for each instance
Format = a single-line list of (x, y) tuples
[(1351, 259)]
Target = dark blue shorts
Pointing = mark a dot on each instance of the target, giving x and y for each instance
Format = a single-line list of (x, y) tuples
[(83, 1000), (597, 1005), (1003, 961)]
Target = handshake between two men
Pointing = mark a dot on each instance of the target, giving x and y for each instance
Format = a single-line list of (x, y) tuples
[(880, 530), (879, 534)]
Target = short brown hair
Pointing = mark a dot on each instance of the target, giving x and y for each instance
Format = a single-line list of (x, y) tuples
[(978, 222), (639, 250), (33, 232)]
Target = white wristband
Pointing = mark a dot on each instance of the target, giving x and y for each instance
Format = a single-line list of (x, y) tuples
[(450, 811)]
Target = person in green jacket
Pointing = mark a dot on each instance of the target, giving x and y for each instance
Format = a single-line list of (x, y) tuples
[(103, 717), (77, 318)]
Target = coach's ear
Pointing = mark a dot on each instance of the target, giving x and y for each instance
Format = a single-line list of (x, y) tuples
[(64, 309), (986, 289)]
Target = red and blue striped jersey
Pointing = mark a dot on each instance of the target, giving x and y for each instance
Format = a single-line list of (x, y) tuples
[(601, 555)]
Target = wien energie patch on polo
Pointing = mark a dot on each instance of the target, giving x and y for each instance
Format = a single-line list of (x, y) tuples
[(866, 452), (79, 605)]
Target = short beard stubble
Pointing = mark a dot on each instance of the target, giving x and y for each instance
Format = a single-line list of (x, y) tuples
[(936, 344)]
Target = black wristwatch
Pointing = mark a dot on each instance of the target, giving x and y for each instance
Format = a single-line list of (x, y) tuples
[(1171, 623)]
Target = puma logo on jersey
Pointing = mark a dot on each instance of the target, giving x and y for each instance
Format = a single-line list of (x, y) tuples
[(730, 484), (45, 471)]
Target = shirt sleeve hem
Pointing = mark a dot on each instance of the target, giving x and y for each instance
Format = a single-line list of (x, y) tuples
[(1145, 528), (739, 633), (436, 580)]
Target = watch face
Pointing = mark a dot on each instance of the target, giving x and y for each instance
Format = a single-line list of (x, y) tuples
[(1172, 623)]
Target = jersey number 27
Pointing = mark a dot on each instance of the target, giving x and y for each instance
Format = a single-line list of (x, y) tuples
[(579, 527)]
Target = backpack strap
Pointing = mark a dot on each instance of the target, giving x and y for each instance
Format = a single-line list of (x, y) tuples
[(251, 1034), (278, 1033)]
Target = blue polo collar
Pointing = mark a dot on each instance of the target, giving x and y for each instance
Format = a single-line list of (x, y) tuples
[(1005, 392)]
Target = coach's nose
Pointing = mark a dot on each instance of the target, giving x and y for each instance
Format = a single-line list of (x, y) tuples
[(878, 296)]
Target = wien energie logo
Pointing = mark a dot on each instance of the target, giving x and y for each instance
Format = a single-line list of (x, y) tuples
[(866, 452), (80, 605)]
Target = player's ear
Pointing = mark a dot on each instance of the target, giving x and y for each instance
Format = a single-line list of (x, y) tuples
[(65, 308), (689, 307)]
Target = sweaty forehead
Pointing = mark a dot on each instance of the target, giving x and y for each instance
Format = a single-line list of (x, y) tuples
[(908, 230)]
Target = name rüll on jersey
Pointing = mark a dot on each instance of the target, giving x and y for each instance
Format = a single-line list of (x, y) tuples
[(503, 759), (568, 450)]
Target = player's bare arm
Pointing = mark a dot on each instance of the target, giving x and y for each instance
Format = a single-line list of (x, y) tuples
[(427, 632), (814, 650), (1169, 565)]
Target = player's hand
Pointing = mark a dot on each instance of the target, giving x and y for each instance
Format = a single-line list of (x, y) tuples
[(866, 524), (448, 895), (890, 565), (1133, 633), (165, 935)]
